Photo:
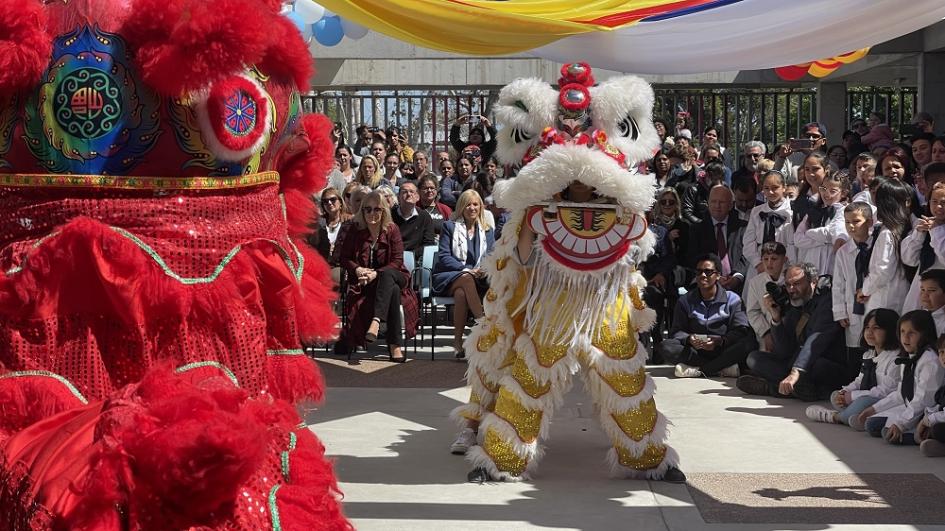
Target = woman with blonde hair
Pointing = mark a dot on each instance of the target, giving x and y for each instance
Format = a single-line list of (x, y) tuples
[(464, 241), (372, 256), (370, 173)]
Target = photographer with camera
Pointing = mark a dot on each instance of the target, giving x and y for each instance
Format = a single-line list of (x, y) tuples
[(807, 358), (773, 260), (792, 154), (710, 333)]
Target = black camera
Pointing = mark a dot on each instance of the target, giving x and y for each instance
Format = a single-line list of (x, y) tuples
[(778, 294)]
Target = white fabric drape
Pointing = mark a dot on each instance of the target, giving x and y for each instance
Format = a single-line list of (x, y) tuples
[(747, 35)]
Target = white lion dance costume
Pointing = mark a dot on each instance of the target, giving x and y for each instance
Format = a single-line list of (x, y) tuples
[(575, 305)]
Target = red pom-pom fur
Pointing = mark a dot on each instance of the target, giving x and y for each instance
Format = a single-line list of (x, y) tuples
[(25, 45)]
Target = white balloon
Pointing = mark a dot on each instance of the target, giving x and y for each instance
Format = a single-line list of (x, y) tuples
[(353, 30), (310, 11)]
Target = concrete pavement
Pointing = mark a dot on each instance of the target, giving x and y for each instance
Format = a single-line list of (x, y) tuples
[(749, 460)]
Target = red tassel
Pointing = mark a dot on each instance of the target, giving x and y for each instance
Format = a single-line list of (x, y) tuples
[(294, 378)]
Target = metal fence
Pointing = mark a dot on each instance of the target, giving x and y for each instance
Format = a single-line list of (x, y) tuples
[(741, 114)]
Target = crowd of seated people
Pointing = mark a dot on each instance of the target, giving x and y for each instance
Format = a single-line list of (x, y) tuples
[(806, 271), (833, 290)]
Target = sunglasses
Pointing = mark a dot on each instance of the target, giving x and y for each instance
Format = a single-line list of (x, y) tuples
[(667, 202), (706, 272), (755, 155), (372, 210), (332, 199)]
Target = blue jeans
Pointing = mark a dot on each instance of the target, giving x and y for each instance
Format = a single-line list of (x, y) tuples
[(854, 409), (876, 426)]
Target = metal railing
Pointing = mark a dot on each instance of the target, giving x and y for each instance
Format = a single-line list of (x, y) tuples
[(741, 114)]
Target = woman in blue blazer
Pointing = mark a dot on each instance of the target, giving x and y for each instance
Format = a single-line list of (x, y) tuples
[(465, 240)]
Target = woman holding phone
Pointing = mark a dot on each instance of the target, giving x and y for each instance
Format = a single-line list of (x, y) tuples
[(479, 126)]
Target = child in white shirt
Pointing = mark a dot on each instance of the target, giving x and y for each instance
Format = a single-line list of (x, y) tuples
[(821, 232), (850, 270), (774, 258), (920, 249), (886, 284), (931, 430), (768, 222), (895, 416), (879, 374)]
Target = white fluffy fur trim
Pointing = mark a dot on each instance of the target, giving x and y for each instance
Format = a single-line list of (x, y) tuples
[(617, 436), (643, 320), (531, 451), (618, 471), (460, 415), (547, 403), (540, 103), (597, 358), (608, 399), (619, 99), (478, 457), (558, 374), (559, 165)]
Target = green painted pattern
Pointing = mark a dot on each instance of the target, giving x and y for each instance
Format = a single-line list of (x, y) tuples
[(48, 374), (273, 509), (199, 364), (293, 439)]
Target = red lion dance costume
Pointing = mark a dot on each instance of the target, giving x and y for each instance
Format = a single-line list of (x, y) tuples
[(155, 176)]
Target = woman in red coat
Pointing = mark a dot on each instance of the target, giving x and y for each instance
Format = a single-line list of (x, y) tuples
[(372, 256)]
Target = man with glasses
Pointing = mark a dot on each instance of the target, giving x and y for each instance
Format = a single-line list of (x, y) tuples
[(787, 159), (710, 334), (721, 233), (416, 226), (754, 152), (807, 358)]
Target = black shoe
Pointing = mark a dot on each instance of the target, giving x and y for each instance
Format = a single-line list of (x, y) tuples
[(674, 475), (401, 359), (459, 354), (806, 392), (478, 475), (371, 336), (340, 349), (753, 385)]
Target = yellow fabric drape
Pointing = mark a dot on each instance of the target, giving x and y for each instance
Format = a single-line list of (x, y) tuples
[(488, 27)]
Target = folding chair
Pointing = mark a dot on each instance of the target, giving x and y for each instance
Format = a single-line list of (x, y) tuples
[(427, 298)]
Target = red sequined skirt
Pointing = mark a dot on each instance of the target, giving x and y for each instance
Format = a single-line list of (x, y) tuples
[(99, 285)]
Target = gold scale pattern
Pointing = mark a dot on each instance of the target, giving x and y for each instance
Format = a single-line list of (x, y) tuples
[(525, 421), (503, 454), (650, 458), (638, 422)]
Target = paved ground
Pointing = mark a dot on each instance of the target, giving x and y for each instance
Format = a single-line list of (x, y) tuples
[(754, 464)]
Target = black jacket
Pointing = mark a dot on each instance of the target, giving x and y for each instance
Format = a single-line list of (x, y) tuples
[(416, 232), (820, 336)]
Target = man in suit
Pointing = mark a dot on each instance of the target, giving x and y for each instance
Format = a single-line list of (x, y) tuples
[(721, 233)]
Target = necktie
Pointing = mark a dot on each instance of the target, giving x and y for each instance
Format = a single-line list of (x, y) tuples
[(862, 267), (722, 248), (927, 254), (907, 387), (772, 222), (869, 375)]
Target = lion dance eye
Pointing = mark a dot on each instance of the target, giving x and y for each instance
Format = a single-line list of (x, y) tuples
[(628, 128)]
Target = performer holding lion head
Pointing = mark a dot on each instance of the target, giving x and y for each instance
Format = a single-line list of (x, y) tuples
[(565, 295)]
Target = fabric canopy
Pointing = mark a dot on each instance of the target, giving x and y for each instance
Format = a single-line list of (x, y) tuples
[(648, 36)]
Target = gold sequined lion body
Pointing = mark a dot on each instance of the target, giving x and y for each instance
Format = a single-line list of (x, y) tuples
[(573, 306)]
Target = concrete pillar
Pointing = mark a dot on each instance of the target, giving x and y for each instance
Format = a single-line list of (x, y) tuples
[(832, 109), (932, 86)]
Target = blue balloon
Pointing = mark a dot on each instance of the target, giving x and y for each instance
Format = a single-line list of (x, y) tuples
[(328, 31), (299, 23)]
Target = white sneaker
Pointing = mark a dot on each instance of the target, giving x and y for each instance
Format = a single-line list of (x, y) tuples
[(687, 371), (819, 413), (466, 439), (730, 372)]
